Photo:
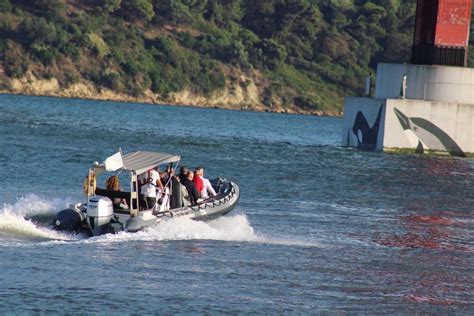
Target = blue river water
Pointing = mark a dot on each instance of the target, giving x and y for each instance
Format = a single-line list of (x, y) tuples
[(319, 228)]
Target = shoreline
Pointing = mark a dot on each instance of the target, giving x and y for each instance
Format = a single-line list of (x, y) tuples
[(230, 98), (149, 101)]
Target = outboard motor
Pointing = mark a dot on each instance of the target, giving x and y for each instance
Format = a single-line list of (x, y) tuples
[(71, 219), (99, 213)]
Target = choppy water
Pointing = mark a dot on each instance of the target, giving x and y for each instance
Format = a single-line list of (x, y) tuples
[(319, 228)]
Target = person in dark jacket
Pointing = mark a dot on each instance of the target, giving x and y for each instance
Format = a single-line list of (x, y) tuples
[(179, 193), (187, 181)]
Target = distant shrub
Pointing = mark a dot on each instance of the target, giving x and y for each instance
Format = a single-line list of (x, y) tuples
[(133, 88), (305, 103), (5, 27), (237, 55), (5, 6), (186, 39), (89, 23), (207, 77), (158, 85), (165, 45), (98, 45), (5, 84), (175, 11), (15, 62), (15, 68), (37, 30), (69, 78), (46, 54), (216, 44), (109, 5), (138, 9), (131, 67), (51, 9), (248, 38), (48, 75), (112, 80)]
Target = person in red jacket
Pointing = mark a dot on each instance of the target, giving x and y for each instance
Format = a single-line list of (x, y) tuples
[(198, 180)]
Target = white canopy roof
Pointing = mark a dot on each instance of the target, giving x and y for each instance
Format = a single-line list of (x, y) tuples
[(142, 161), (138, 161)]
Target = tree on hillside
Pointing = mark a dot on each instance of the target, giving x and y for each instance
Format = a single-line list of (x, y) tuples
[(109, 5), (138, 9)]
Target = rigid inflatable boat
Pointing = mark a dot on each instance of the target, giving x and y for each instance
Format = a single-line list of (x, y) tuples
[(99, 215)]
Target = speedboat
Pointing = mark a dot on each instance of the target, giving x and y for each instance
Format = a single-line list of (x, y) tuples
[(99, 215)]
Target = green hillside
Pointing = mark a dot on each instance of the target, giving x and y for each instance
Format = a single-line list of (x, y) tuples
[(300, 54)]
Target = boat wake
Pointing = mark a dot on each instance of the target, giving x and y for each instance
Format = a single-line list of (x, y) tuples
[(228, 228), (234, 228), (30, 220)]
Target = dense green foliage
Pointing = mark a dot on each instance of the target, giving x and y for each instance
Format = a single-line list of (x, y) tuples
[(306, 53)]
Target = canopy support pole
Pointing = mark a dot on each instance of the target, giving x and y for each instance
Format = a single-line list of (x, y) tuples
[(134, 201)]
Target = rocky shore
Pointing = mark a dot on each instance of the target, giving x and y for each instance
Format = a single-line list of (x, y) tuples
[(241, 95)]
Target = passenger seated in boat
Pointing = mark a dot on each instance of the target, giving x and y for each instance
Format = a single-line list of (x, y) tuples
[(179, 193), (153, 174), (197, 180), (186, 179), (149, 192), (166, 176), (207, 189), (183, 171), (112, 184)]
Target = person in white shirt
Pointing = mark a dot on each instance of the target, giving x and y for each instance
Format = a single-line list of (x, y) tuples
[(149, 192), (207, 189), (151, 187)]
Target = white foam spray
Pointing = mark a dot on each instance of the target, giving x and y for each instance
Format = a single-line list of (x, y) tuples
[(32, 205), (17, 220), (234, 228)]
